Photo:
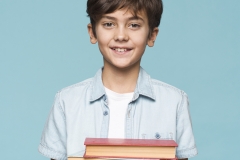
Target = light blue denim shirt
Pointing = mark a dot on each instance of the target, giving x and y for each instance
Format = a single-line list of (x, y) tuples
[(157, 111)]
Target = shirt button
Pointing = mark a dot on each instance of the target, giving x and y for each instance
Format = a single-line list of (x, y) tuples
[(157, 135), (105, 113)]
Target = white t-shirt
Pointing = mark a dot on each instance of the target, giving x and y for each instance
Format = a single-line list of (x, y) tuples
[(117, 104)]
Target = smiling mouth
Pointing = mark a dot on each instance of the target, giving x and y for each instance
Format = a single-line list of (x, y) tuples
[(121, 49)]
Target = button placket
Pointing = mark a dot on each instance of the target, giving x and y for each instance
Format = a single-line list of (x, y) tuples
[(105, 113), (105, 122)]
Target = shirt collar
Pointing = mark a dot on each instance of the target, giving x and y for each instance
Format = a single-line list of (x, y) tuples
[(144, 86)]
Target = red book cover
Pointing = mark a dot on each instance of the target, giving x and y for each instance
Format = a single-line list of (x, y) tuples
[(128, 142)]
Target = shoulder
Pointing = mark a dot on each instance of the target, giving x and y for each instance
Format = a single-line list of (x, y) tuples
[(162, 86), (167, 93), (76, 89)]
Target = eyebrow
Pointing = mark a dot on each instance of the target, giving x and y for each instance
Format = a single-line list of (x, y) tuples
[(130, 18)]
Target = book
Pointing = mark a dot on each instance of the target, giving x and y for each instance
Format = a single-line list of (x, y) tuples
[(81, 158), (111, 148)]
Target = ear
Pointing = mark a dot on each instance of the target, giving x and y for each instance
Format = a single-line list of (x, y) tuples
[(153, 37), (93, 39)]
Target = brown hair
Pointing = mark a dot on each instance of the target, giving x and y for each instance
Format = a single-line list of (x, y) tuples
[(153, 9)]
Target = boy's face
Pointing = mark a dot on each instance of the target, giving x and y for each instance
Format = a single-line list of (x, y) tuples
[(122, 38)]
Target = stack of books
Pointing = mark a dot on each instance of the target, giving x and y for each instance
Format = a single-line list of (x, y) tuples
[(108, 148)]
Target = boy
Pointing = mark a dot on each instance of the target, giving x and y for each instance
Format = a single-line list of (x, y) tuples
[(121, 100)]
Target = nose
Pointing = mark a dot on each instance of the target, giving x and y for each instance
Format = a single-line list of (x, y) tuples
[(121, 34)]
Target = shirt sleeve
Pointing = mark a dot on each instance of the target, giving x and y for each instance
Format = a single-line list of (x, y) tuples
[(53, 141), (185, 139)]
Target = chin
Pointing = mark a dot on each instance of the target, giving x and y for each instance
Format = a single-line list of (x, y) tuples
[(124, 66)]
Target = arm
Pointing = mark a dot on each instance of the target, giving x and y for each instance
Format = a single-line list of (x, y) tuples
[(184, 136), (54, 136)]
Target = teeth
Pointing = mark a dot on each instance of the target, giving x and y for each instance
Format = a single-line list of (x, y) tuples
[(121, 49)]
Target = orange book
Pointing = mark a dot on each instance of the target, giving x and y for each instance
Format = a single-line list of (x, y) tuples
[(108, 148), (81, 158)]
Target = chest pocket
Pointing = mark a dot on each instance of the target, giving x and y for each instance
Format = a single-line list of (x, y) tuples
[(157, 135)]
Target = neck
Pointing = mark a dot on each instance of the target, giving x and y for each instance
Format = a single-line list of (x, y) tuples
[(120, 80)]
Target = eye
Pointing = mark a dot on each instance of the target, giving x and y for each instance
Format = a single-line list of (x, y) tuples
[(134, 26), (108, 25)]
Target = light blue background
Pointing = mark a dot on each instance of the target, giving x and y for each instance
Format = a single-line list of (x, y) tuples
[(44, 46)]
